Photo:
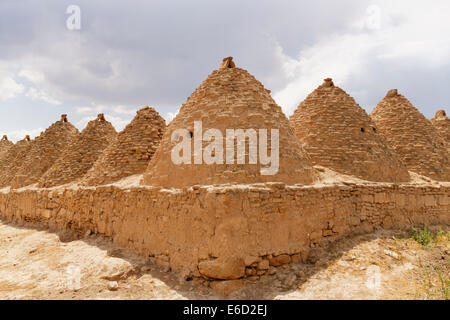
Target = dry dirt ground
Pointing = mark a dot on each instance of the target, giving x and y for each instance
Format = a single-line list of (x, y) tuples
[(39, 264)]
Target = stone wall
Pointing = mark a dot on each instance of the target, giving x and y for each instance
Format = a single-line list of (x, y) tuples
[(228, 232)]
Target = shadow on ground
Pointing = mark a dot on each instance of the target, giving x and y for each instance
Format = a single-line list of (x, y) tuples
[(342, 266)]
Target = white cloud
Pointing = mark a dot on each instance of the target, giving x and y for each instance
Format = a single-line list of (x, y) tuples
[(35, 94), (32, 75), (300, 44), (124, 110), (171, 115), (93, 109), (415, 35), (9, 88), (98, 108), (118, 122), (336, 58)]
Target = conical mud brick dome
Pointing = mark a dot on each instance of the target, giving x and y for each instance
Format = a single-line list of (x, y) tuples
[(80, 155), (131, 152), (12, 159), (45, 150), (229, 99), (412, 136), (5, 144), (442, 124), (337, 133)]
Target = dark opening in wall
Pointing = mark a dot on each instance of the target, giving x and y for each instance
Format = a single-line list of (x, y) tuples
[(374, 129), (191, 134), (362, 130)]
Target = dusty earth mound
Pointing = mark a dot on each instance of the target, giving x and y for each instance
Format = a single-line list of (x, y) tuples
[(11, 161), (337, 133), (81, 154), (132, 150), (45, 150), (230, 98), (412, 136), (5, 145), (442, 124), (37, 264)]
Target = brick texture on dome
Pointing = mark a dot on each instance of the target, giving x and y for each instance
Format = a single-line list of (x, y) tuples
[(442, 124), (337, 133), (230, 98), (412, 136), (81, 153), (44, 151), (131, 152), (5, 145), (11, 161)]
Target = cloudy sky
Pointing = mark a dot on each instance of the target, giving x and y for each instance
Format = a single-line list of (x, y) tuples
[(128, 54)]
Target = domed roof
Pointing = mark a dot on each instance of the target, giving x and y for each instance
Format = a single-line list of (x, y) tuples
[(5, 144), (11, 160), (45, 150), (412, 136), (229, 99), (337, 133), (81, 153), (131, 152)]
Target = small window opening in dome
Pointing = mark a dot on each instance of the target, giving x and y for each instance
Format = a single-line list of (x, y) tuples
[(374, 129), (362, 130)]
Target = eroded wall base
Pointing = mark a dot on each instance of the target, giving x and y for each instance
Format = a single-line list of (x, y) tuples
[(228, 233)]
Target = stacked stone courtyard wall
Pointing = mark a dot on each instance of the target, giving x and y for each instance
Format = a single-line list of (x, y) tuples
[(228, 232)]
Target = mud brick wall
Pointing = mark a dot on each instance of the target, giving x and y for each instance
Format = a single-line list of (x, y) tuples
[(233, 232)]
